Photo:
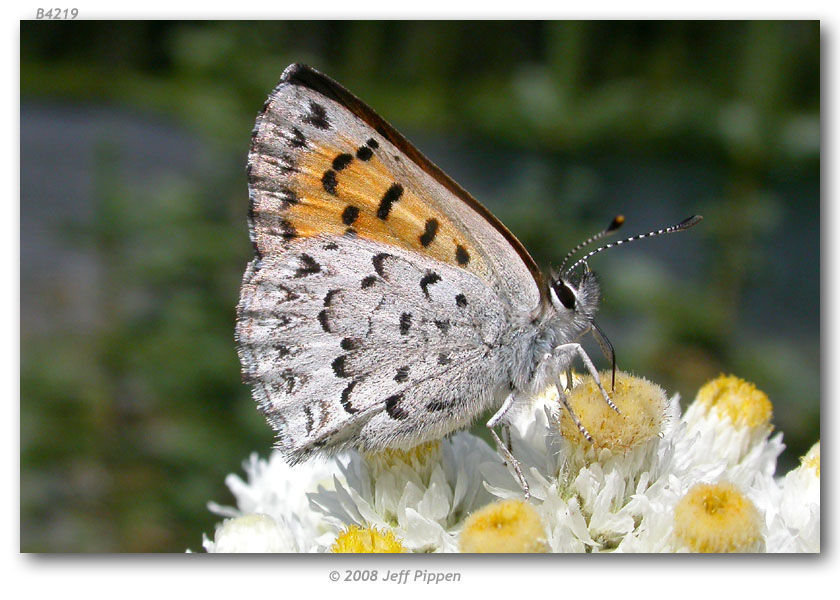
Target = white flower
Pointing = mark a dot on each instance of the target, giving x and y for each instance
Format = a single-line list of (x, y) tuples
[(251, 533), (277, 491), (423, 495), (794, 525), (609, 495), (730, 420), (650, 480), (592, 495)]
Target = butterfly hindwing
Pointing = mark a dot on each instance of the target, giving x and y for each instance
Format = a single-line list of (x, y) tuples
[(348, 338)]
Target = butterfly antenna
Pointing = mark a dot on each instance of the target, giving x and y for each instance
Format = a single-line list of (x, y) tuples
[(617, 222), (682, 226)]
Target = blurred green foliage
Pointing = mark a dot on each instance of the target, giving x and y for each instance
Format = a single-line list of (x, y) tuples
[(128, 428)]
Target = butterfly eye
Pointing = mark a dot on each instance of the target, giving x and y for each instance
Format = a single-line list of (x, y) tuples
[(565, 294)]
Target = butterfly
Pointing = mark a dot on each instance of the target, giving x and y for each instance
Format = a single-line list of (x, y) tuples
[(385, 307)]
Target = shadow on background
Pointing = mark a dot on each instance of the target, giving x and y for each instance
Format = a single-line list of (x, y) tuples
[(133, 235)]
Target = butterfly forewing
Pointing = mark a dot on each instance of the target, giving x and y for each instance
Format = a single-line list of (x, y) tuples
[(317, 168)]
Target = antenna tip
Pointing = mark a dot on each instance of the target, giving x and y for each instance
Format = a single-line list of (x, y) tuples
[(690, 222), (617, 222)]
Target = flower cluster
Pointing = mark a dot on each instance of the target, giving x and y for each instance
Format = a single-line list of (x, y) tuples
[(650, 480)]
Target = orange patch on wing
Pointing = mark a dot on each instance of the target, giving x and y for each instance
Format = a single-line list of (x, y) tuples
[(335, 194)]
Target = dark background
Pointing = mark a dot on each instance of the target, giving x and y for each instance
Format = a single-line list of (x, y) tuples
[(133, 234)]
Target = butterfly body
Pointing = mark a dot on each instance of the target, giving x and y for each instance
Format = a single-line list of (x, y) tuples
[(384, 307)]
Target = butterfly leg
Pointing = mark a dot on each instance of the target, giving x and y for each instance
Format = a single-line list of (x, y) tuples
[(568, 407), (502, 448), (590, 366), (569, 378), (505, 435)]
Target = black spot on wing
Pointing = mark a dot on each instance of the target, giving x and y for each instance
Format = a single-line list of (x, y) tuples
[(402, 375), (341, 161), (290, 381), (328, 299), (317, 116), (461, 300), (287, 230), (438, 405), (307, 410), (364, 153), (393, 408), (283, 320), (368, 281), (287, 294), (430, 232), (350, 344), (338, 366), (297, 139), (405, 323), (444, 325), (378, 261), (330, 182), (323, 319), (428, 279), (345, 398), (308, 266), (392, 195), (350, 214), (462, 256), (287, 196), (275, 225), (284, 163)]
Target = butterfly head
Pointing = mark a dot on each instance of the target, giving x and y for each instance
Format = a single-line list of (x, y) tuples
[(576, 300)]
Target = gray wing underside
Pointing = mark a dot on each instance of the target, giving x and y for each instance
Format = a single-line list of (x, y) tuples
[(348, 341), (272, 166)]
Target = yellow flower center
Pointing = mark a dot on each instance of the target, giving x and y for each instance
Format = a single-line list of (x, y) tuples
[(738, 400), (366, 540), (421, 458), (505, 526), (812, 459), (422, 453), (717, 518), (642, 406)]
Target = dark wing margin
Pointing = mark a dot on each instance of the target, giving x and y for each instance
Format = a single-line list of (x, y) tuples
[(302, 75)]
